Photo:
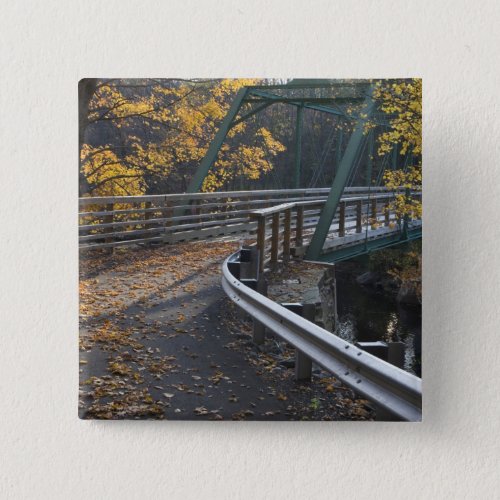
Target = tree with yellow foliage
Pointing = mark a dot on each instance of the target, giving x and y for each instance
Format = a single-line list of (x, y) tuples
[(138, 135), (402, 102)]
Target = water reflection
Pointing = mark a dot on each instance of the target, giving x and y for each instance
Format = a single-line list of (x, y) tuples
[(368, 316)]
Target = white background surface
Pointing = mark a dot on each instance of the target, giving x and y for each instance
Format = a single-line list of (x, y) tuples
[(46, 47)]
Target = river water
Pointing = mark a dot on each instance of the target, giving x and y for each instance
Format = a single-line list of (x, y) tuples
[(366, 315)]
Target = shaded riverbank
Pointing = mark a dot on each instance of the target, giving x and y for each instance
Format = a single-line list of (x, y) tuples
[(365, 310), (370, 312)]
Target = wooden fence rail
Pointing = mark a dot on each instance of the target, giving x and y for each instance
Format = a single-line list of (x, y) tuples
[(285, 226), (126, 220)]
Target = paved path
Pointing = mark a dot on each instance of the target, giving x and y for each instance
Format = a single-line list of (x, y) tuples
[(159, 339)]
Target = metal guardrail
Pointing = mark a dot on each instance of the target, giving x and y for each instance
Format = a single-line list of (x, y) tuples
[(390, 388)]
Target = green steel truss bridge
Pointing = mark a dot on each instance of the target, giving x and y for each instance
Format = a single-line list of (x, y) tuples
[(318, 224)]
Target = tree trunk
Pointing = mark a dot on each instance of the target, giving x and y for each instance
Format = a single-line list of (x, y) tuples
[(86, 89)]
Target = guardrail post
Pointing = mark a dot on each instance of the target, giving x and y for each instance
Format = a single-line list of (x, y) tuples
[(392, 352), (378, 348), (234, 269), (275, 238), (286, 235), (259, 330), (394, 394), (249, 263), (248, 274), (396, 354), (342, 219), (303, 364), (381, 350), (299, 226), (108, 219), (359, 212)]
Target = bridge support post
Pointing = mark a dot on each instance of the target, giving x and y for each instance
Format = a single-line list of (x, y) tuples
[(275, 238), (261, 239), (342, 219), (359, 213), (286, 235), (299, 226), (374, 212)]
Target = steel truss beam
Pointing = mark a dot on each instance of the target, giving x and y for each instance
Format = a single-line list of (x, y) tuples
[(215, 145), (299, 101), (230, 121), (298, 146), (247, 95), (258, 109), (367, 247), (339, 182)]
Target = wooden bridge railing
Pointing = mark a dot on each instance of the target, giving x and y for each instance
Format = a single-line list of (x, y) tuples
[(282, 230), (125, 220)]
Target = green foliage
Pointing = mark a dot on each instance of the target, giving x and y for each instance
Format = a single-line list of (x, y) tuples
[(315, 404)]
